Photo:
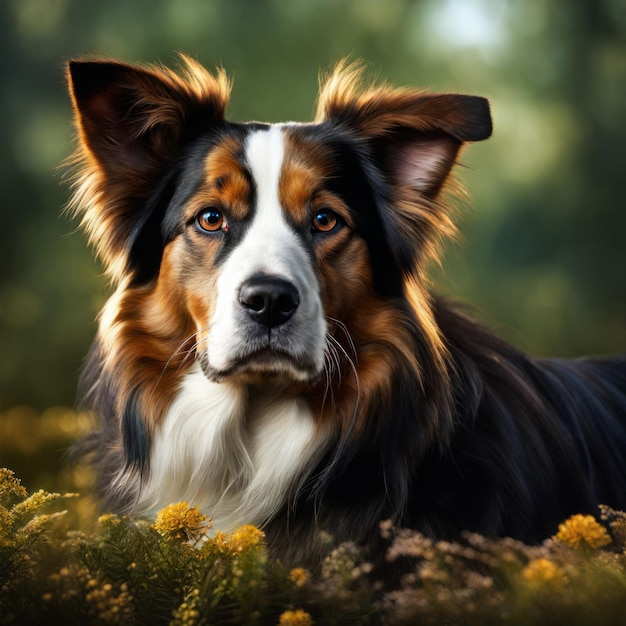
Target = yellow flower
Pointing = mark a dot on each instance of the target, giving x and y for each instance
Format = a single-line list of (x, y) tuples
[(295, 618), (543, 575), (299, 576), (245, 538), (111, 607), (36, 526), (109, 520), (33, 503), (6, 528), (582, 531), (9, 485), (180, 521), (187, 613)]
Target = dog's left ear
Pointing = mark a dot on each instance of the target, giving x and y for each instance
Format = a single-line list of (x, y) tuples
[(415, 135), (419, 150), (413, 138)]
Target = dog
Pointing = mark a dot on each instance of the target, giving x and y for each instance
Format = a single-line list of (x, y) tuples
[(272, 353)]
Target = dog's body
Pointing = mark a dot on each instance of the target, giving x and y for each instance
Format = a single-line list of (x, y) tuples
[(271, 354)]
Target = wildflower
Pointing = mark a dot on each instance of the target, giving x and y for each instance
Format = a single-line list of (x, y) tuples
[(9, 485), (543, 574), (407, 543), (36, 526), (618, 528), (33, 503), (299, 576), (617, 523), (342, 563), (214, 546), (6, 527), (180, 521), (187, 613), (581, 531), (109, 606), (245, 538), (108, 519), (295, 618)]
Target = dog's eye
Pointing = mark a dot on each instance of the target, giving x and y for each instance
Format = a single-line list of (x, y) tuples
[(325, 221), (210, 220)]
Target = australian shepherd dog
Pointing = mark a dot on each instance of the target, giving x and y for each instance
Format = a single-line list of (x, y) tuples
[(272, 354)]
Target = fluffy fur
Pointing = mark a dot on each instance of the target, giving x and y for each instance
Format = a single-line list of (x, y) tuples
[(271, 353)]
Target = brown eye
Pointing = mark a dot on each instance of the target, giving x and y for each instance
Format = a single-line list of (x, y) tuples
[(325, 221), (210, 220)]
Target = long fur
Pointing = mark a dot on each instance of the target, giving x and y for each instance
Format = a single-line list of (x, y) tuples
[(359, 396)]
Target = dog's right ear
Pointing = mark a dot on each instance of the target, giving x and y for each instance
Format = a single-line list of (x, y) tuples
[(132, 123), (132, 119)]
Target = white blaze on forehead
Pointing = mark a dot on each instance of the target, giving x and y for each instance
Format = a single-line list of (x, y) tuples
[(269, 246), (265, 150), (270, 236)]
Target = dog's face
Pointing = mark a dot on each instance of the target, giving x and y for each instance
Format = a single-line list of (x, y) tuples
[(252, 242), (263, 240)]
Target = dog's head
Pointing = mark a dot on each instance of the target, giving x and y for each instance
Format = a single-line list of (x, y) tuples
[(259, 240)]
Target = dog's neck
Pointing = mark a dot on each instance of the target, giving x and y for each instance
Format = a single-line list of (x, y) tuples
[(230, 450)]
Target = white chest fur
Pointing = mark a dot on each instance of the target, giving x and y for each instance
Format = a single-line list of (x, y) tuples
[(231, 454)]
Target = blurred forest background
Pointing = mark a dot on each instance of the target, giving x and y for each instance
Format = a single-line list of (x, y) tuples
[(543, 257)]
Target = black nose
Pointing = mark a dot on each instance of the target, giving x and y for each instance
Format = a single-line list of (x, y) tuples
[(269, 300)]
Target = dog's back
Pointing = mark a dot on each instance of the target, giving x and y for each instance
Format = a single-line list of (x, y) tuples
[(539, 440)]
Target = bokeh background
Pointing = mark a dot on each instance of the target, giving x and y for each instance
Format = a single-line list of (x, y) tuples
[(543, 257)]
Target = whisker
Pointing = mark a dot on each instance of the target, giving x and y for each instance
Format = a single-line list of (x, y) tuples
[(346, 332), (338, 345), (335, 348), (332, 360), (188, 353), (335, 360)]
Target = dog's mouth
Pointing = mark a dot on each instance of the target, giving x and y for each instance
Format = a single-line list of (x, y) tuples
[(268, 360), (265, 362)]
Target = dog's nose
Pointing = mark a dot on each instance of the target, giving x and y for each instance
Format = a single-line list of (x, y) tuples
[(270, 300)]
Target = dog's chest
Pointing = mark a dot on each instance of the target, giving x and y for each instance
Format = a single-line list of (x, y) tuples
[(232, 455)]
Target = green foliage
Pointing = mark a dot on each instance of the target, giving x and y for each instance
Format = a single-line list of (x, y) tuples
[(177, 571), (544, 254)]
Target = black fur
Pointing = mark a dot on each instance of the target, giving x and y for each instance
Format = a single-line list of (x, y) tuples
[(134, 436), (357, 189), (534, 441)]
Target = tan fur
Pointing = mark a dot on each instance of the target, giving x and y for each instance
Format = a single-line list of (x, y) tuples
[(164, 101)]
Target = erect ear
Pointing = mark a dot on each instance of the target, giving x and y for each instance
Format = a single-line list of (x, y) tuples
[(416, 135), (133, 119), (413, 138), (419, 153), (132, 123)]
